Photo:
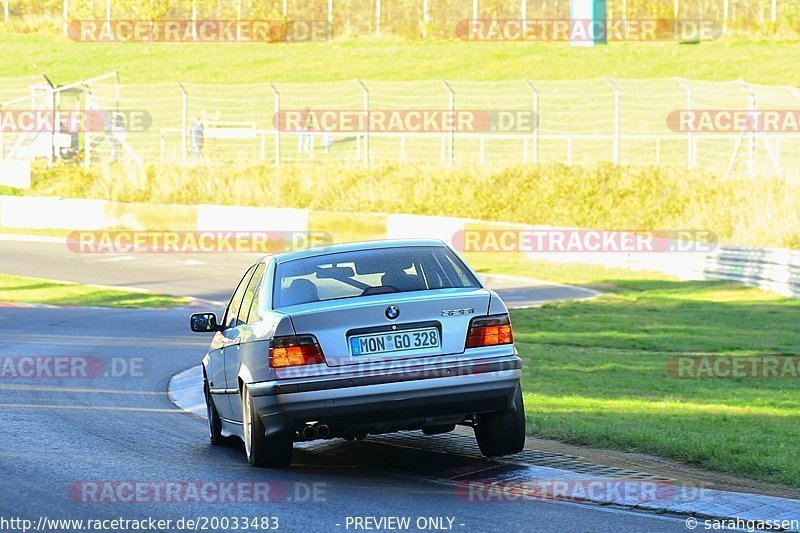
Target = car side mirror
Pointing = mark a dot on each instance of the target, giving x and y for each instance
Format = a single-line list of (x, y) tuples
[(204, 322)]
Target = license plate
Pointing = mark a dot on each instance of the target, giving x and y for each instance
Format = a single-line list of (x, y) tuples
[(395, 341)]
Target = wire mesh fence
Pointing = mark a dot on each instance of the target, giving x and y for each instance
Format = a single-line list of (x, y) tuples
[(405, 18), (621, 121)]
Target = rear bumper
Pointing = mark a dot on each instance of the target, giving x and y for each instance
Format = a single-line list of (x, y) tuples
[(391, 401)]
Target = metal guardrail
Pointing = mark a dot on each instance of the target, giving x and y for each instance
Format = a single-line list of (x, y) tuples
[(776, 269)]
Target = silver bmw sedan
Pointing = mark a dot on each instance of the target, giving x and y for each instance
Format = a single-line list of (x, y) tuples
[(355, 339)]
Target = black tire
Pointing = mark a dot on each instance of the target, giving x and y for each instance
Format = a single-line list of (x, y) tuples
[(262, 451), (502, 432), (215, 423)]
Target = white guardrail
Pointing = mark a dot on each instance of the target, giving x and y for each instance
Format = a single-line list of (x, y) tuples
[(774, 269)]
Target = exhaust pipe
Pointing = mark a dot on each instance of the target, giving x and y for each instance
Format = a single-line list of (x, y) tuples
[(323, 431), (309, 432)]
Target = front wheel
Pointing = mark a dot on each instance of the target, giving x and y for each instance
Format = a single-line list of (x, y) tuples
[(502, 432), (262, 451)]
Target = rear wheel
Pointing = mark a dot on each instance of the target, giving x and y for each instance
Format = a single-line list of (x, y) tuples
[(502, 432), (270, 452)]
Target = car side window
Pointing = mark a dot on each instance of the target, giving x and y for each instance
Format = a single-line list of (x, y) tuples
[(250, 301), (231, 314)]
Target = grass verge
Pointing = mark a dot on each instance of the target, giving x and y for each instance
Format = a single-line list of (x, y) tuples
[(739, 210), (596, 371), (20, 289), (757, 61)]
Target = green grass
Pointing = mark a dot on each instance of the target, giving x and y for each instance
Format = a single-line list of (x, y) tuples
[(20, 289), (757, 61), (596, 371)]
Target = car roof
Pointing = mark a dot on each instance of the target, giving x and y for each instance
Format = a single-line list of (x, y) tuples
[(302, 253)]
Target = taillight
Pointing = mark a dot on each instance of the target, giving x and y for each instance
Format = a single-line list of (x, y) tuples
[(489, 331), (296, 350)]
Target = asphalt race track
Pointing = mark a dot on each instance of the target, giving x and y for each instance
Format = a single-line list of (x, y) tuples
[(73, 446)]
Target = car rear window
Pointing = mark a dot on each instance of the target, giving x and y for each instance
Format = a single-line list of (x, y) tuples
[(368, 272)]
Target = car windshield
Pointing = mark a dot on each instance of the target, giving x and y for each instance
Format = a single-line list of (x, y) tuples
[(367, 272)]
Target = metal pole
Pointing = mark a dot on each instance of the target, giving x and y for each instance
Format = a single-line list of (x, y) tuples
[(277, 127), (725, 8), (474, 9), (536, 120), (116, 89), (65, 16), (238, 20), (523, 11), (425, 18), (330, 20), (108, 12), (184, 121), (365, 161), (690, 136), (752, 106), (378, 18), (54, 123), (194, 20), (5, 11), (624, 10), (285, 8), (774, 11), (617, 121), (452, 94)]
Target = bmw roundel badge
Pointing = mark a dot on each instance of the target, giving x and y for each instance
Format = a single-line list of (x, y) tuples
[(392, 312)]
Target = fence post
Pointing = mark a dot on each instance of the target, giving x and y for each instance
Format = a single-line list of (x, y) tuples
[(5, 10), (535, 120), (277, 116), (752, 106), (65, 16), (108, 12), (474, 10), (676, 7), (452, 94), (523, 12), (378, 18), (330, 20), (617, 121), (425, 18), (238, 20), (774, 11), (184, 121), (691, 148), (365, 161), (285, 8), (55, 122), (194, 20), (726, 10)]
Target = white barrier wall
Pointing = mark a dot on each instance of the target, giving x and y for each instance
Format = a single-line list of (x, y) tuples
[(237, 218), (37, 212), (15, 173)]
